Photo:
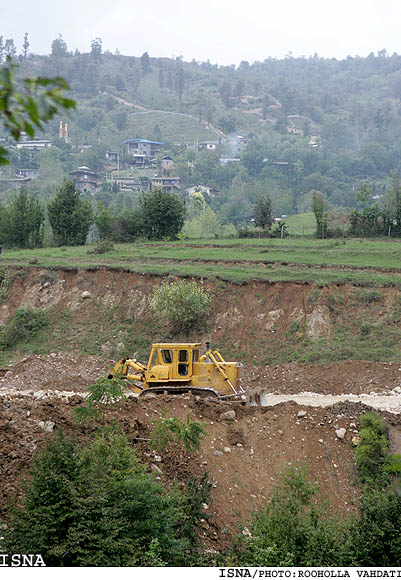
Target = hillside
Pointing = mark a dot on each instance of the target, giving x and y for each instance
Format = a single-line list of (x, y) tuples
[(307, 124)]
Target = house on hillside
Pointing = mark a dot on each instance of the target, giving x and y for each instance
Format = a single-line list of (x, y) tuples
[(167, 184), (235, 144), (34, 144), (143, 151), (86, 180), (208, 145), (32, 173)]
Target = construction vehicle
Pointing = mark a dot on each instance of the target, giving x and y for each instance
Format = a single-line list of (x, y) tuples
[(180, 368)]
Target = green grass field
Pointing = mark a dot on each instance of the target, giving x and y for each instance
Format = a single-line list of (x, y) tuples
[(362, 262)]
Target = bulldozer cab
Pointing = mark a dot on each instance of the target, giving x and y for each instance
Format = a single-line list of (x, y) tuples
[(175, 360)]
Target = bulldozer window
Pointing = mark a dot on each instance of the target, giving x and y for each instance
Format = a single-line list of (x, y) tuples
[(183, 362), (183, 356), (167, 356), (195, 355)]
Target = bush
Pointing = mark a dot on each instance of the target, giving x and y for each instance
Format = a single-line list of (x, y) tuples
[(24, 324), (102, 247), (292, 530), (183, 305), (171, 429), (370, 455)]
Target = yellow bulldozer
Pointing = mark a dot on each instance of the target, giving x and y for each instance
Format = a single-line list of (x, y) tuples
[(180, 368)]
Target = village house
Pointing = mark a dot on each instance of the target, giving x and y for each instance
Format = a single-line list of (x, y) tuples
[(33, 144), (167, 184), (86, 180), (143, 151), (208, 145), (31, 173)]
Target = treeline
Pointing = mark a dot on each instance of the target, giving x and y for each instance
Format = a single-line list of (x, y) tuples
[(159, 215), (97, 505)]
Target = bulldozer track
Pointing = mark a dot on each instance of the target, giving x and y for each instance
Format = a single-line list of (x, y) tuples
[(181, 390)]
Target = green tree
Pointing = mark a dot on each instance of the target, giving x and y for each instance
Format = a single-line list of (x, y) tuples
[(22, 222), (25, 46), (95, 505), (96, 49), (70, 217), (162, 214), (319, 207), (59, 47), (145, 63), (263, 212)]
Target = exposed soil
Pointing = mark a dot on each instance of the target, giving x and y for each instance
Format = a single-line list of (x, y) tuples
[(244, 457)]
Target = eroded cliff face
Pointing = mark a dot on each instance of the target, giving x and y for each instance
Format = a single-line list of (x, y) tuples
[(107, 309)]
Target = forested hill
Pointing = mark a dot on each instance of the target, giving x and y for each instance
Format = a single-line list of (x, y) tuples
[(309, 123)]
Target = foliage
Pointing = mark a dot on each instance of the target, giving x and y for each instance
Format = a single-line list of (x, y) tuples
[(377, 530), (70, 217), (320, 209), (370, 454), (37, 104), (184, 305), (102, 247), (262, 212), (106, 393), (162, 215), (4, 282), (96, 506), (23, 325), (21, 222), (173, 430), (292, 530), (207, 224)]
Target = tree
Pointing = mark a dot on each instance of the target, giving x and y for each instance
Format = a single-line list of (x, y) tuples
[(145, 63), (163, 214), (96, 49), (70, 217), (263, 212), (22, 222), (1, 50), (10, 48), (25, 46), (59, 47), (95, 505), (319, 207), (40, 99)]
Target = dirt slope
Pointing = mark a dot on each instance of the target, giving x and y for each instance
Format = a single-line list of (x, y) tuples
[(98, 315)]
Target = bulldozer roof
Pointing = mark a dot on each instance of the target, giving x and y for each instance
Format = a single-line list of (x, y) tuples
[(177, 344)]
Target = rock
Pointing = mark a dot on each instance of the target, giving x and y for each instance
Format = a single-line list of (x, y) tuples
[(86, 294), (218, 453), (228, 415), (155, 468), (205, 506), (227, 449), (318, 324), (47, 425), (356, 440), (246, 532), (341, 433), (301, 414), (3, 423), (107, 348), (46, 284), (321, 441)]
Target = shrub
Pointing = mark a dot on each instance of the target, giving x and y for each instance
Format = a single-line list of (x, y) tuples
[(371, 452), (292, 530), (171, 429), (102, 247), (183, 305), (24, 324)]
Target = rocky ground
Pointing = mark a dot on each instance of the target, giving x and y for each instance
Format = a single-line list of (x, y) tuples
[(243, 456)]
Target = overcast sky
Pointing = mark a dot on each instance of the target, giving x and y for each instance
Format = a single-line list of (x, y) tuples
[(223, 31)]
